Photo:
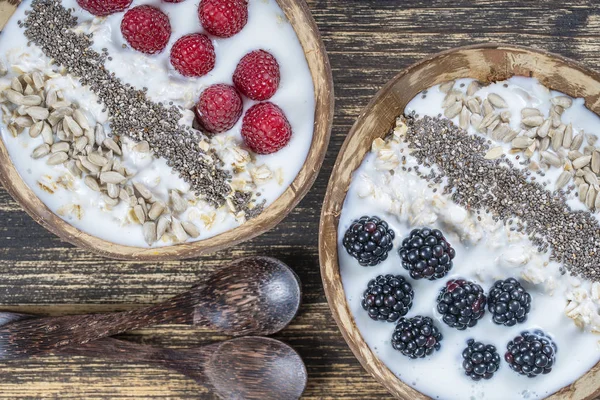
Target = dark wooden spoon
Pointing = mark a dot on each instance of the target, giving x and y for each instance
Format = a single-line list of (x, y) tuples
[(250, 296), (243, 368)]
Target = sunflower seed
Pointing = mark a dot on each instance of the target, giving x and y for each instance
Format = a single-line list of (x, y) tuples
[(109, 201), (31, 100), (590, 198), (588, 150), (473, 106), (38, 80), (446, 86), (505, 116), (142, 190), (60, 147), (596, 162), (139, 213), (97, 159), (149, 230), (453, 110), (597, 203), (557, 138), (562, 101), (531, 149), (488, 120), (162, 225), (36, 129), (190, 229), (487, 107), (562, 180), (91, 183), (41, 151), (178, 203), (16, 85), (591, 139), (81, 120), (568, 137), (590, 178), (3, 69), (113, 190), (112, 177), (449, 100), (521, 142), (88, 165), (110, 144), (473, 87), (510, 136), (544, 143), (142, 147), (530, 112), (28, 90), (577, 142), (47, 135), (497, 101), (583, 189), (494, 153), (72, 167), (156, 210), (476, 121), (494, 125), (178, 231), (464, 117), (57, 158), (581, 162), (535, 120), (73, 126), (500, 132), (80, 143), (543, 129), (551, 158)]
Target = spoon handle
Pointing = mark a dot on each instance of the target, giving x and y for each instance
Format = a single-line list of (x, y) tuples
[(42, 335)]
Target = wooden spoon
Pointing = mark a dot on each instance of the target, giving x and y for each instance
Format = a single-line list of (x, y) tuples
[(243, 368), (250, 296)]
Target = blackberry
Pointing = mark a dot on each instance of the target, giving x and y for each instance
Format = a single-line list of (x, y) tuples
[(531, 354), (388, 298), (426, 254), (508, 302), (369, 240), (480, 360), (461, 303), (416, 337)]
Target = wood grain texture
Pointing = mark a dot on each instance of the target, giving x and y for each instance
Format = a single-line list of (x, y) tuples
[(368, 42)]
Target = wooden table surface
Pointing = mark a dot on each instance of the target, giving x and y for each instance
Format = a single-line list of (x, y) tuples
[(368, 43)]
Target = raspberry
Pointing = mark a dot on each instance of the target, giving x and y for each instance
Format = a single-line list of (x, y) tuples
[(146, 29), (257, 75), (104, 7), (265, 128), (223, 18), (193, 55), (219, 108)]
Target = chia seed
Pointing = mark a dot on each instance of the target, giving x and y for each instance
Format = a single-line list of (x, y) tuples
[(498, 187), (132, 114)]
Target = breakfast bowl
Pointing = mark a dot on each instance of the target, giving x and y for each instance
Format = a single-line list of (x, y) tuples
[(343, 258), (287, 175)]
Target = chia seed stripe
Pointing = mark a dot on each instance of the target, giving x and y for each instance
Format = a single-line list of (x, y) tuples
[(48, 25), (498, 187)]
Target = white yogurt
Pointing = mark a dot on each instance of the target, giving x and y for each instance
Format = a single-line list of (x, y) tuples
[(267, 29), (485, 251)]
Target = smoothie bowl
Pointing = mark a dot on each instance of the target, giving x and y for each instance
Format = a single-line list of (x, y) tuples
[(460, 230), (161, 129)]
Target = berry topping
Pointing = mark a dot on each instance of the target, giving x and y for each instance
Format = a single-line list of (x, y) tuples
[(223, 18), (388, 298), (426, 253), (369, 240), (531, 354), (461, 303), (257, 75), (193, 55), (104, 7), (219, 108), (480, 360), (146, 29), (416, 337), (508, 302), (265, 128)]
